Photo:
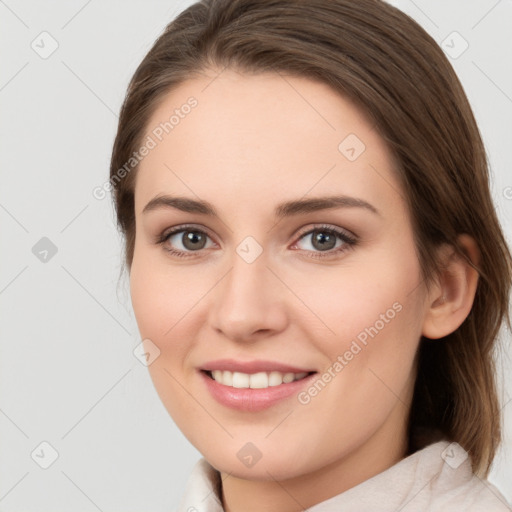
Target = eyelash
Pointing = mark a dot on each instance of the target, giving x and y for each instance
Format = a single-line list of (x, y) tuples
[(349, 242)]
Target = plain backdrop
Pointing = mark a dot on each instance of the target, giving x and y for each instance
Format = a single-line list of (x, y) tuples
[(68, 375)]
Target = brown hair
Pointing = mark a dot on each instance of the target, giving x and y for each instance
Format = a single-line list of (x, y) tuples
[(394, 72)]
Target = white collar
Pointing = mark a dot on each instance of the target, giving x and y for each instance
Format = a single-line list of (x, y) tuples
[(438, 476)]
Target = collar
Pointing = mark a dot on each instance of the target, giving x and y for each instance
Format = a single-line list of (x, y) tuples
[(441, 471)]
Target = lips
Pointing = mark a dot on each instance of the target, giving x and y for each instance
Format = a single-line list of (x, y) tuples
[(253, 385), (253, 366)]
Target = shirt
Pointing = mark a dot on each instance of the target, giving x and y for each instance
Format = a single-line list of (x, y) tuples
[(436, 478)]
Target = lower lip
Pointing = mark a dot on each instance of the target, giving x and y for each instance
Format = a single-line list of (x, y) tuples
[(248, 399)]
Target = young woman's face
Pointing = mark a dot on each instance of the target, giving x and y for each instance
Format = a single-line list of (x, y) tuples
[(261, 292)]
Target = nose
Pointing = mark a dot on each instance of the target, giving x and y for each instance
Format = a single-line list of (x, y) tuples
[(248, 303)]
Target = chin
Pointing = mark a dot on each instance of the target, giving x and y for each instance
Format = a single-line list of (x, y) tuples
[(259, 461)]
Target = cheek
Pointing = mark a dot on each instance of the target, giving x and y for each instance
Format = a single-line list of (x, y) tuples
[(161, 295), (147, 301), (169, 307), (377, 326), (160, 305), (363, 301)]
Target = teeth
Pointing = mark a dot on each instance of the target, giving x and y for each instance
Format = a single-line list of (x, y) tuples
[(275, 378), (288, 377), (260, 380), (240, 380), (227, 378)]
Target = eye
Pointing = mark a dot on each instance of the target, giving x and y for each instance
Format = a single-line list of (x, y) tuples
[(326, 241), (184, 239)]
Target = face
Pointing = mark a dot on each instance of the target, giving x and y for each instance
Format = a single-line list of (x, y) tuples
[(286, 327)]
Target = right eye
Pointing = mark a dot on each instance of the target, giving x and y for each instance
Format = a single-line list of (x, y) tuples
[(183, 240)]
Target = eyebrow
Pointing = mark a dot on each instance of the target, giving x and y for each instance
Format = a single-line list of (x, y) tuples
[(286, 209)]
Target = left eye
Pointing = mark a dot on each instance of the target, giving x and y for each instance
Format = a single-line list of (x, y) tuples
[(326, 239)]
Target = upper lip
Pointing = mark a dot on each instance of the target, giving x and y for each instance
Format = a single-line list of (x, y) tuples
[(252, 366)]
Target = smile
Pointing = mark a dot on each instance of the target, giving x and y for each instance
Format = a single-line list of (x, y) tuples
[(260, 380), (253, 386)]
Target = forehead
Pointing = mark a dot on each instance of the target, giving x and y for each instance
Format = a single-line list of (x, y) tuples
[(243, 137)]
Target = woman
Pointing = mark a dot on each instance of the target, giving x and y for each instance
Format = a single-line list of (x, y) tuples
[(316, 266)]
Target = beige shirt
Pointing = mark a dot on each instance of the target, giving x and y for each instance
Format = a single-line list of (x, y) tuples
[(437, 478)]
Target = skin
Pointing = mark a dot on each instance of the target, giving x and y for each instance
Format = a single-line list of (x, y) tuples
[(251, 143)]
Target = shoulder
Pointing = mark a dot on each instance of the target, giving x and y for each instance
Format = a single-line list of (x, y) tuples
[(456, 487), (438, 478), (476, 495)]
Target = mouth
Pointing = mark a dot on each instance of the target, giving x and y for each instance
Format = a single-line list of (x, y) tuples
[(259, 380), (253, 386)]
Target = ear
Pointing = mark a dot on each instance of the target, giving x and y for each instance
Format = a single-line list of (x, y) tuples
[(451, 297)]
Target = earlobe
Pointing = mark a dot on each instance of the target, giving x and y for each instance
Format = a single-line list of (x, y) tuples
[(450, 300)]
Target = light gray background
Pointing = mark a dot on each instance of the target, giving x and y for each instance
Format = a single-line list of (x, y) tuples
[(68, 375)]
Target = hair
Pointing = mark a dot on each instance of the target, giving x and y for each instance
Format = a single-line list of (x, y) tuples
[(389, 67)]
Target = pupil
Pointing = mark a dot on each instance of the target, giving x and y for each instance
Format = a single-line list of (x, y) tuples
[(191, 238), (325, 241)]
